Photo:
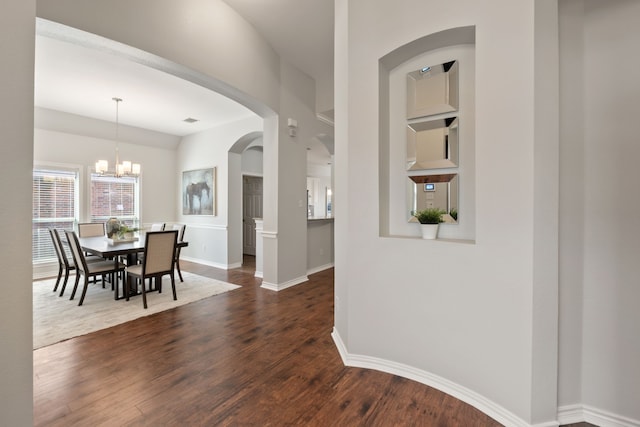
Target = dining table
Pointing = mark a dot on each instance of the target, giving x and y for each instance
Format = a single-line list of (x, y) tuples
[(108, 249)]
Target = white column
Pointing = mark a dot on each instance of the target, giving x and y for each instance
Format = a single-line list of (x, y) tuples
[(259, 225)]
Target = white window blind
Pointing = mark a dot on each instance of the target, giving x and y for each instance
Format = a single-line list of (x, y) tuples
[(55, 198), (114, 197)]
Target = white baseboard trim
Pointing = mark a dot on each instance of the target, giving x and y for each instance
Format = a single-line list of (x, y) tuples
[(474, 399), (281, 286), (258, 274), (584, 413), (211, 263), (319, 269), (45, 270)]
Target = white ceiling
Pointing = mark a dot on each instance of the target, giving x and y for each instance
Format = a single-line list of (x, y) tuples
[(79, 80), (301, 31)]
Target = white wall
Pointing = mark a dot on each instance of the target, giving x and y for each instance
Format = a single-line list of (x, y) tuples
[(17, 35), (604, 258), (572, 203), (319, 245), (158, 165), (252, 162), (215, 240), (460, 316), (285, 163)]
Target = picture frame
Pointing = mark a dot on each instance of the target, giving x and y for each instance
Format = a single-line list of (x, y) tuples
[(199, 192)]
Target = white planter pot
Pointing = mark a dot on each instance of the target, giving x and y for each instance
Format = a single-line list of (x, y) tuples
[(429, 231)]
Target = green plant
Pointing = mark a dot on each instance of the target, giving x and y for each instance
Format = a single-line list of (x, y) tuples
[(123, 229), (454, 214), (429, 216)]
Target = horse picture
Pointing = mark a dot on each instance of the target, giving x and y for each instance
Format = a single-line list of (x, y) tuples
[(198, 192)]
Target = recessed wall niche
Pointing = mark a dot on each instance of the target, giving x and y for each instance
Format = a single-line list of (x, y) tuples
[(397, 190)]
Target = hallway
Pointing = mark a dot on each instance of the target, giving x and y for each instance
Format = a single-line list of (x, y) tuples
[(246, 357)]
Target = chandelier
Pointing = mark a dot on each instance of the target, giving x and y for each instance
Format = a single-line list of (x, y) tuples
[(126, 168)]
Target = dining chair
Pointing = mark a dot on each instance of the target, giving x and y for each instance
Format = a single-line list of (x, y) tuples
[(158, 261), (157, 226), (91, 229), (181, 229), (64, 264), (89, 270)]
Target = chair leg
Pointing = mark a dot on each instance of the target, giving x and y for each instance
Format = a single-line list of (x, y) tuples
[(126, 286), (55, 288), (178, 268), (64, 283), (144, 294), (173, 287), (75, 286), (84, 290)]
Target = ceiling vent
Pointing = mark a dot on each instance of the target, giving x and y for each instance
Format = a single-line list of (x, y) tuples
[(190, 120)]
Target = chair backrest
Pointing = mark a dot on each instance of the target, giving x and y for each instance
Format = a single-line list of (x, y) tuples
[(181, 229), (76, 251), (57, 245), (91, 229), (158, 226), (159, 251)]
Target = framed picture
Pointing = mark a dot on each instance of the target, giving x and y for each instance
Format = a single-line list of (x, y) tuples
[(199, 192)]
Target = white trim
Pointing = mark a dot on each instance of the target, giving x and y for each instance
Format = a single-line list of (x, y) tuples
[(571, 414), (584, 413), (319, 269), (464, 394), (279, 287), (270, 234), (203, 226), (211, 263), (45, 270), (258, 274)]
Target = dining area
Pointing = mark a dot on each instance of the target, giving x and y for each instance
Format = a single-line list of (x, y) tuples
[(126, 261)]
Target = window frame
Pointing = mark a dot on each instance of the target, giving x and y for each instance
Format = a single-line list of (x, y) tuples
[(132, 219), (40, 256)]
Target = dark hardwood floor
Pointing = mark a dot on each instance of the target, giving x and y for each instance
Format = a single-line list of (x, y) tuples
[(246, 357)]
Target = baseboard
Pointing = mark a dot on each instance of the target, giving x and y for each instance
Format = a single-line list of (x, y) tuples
[(285, 285), (571, 414), (319, 269), (211, 263), (474, 399), (45, 270), (258, 274)]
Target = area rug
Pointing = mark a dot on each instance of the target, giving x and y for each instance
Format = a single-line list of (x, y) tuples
[(57, 318)]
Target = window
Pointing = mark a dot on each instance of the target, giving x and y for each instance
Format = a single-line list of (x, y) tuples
[(115, 197), (55, 205)]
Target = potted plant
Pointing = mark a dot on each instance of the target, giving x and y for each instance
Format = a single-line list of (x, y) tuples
[(125, 232), (429, 220)]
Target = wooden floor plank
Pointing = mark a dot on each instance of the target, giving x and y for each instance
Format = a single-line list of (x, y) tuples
[(247, 357)]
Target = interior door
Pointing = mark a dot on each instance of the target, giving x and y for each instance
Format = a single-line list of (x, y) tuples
[(251, 208)]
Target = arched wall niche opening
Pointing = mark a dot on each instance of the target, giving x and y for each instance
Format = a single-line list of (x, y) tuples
[(455, 44)]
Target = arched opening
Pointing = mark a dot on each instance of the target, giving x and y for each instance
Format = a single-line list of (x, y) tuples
[(249, 173)]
